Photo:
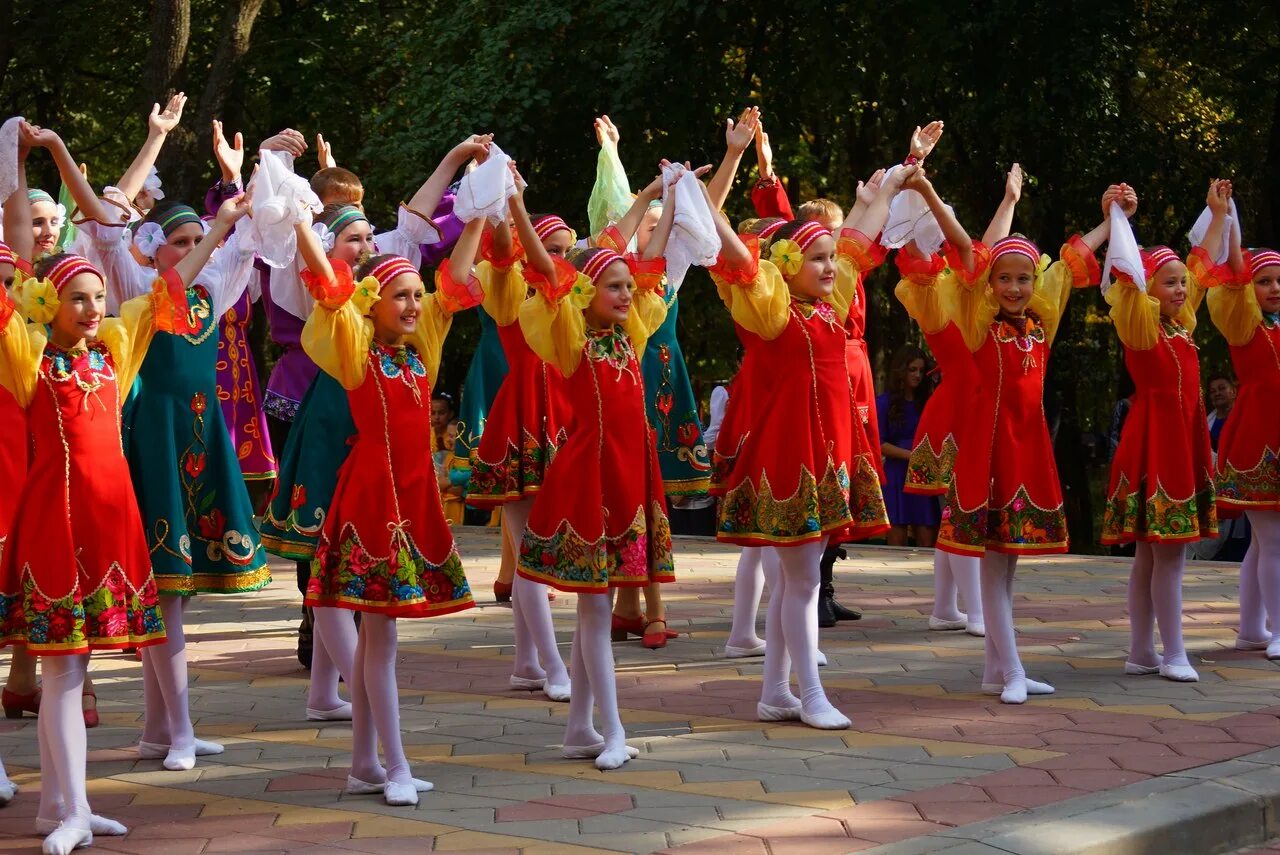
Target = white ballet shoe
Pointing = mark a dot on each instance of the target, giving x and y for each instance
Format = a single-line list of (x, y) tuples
[(591, 752), (978, 630), (180, 759), (64, 840), (822, 659), (8, 789), (400, 795), (940, 625), (557, 693), (157, 750), (1034, 687), (99, 825), (1015, 692), (733, 652), (1179, 673), (1273, 650), (831, 719), (1243, 643), (768, 712), (531, 684), (342, 712), (1133, 669), (357, 787), (614, 756)]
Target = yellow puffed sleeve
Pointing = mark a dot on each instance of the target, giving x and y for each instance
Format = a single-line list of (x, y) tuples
[(1234, 310), (756, 295), (504, 291), (433, 327), (128, 337), (1135, 315), (555, 330), (1076, 267), (648, 311), (337, 340), (856, 255), (965, 295), (918, 291), (21, 349), (1204, 276)]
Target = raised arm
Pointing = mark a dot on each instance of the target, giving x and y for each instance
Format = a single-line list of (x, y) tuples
[(732, 250), (432, 190), (737, 138), (535, 254), (631, 220), (159, 125), (86, 200), (464, 251), (872, 220), (230, 156), (1219, 201), (662, 233), (1002, 223), (768, 197), (17, 214), (229, 214)]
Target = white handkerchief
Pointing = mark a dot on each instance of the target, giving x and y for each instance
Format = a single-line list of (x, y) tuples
[(1196, 235), (9, 158), (694, 239), (911, 220), (1122, 252), (484, 191), (280, 201)]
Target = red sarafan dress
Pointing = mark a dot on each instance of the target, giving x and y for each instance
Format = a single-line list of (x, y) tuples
[(386, 546), (76, 574), (1161, 486), (1007, 461), (793, 463), (1248, 471), (526, 423), (600, 519), (949, 410), (14, 451), (862, 382)]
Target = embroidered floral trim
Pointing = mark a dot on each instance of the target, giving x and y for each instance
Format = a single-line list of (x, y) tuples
[(520, 472), (1159, 517), (1022, 524), (1257, 488), (929, 471), (611, 346), (402, 583), (570, 562), (817, 506), (113, 615)]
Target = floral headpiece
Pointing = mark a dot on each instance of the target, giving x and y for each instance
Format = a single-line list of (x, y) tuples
[(787, 254), (154, 234), (548, 224), (38, 298), (1155, 258), (1256, 259)]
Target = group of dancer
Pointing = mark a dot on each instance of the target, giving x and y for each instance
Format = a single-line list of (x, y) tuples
[(111, 341)]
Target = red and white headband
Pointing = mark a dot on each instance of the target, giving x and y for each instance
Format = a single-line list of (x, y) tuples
[(808, 233), (1260, 258), (1015, 246), (69, 266), (547, 225), (1156, 257), (599, 263), (388, 270)]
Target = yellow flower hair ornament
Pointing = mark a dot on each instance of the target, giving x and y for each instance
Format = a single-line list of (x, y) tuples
[(787, 256), (367, 292), (37, 298), (582, 292)]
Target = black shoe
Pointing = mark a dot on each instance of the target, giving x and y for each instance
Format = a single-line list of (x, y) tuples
[(844, 613), (304, 639), (826, 612)]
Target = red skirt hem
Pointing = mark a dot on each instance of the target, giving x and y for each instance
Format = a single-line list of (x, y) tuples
[(418, 610), (580, 588), (46, 650), (489, 502)]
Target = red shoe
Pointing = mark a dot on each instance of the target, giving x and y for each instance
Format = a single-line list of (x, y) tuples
[(15, 704), (551, 594), (502, 591), (622, 627), (91, 715), (655, 638)]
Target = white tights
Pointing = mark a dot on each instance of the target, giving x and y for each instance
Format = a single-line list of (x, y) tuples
[(1155, 597), (63, 751), (1260, 580), (748, 586), (537, 656), (1001, 664), (954, 574), (375, 704), (332, 656), (792, 628), (594, 683), (164, 692)]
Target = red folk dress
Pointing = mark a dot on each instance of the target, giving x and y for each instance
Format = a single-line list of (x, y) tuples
[(13, 460), (76, 574), (600, 519), (1248, 472), (949, 409), (526, 423), (861, 381), (792, 462), (1161, 487), (386, 546), (1016, 504)]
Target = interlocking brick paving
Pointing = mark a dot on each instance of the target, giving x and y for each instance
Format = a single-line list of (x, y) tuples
[(927, 752)]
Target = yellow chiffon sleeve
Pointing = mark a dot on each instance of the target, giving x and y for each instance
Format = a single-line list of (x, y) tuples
[(433, 328), (337, 340), (555, 330), (1203, 276), (1076, 267), (918, 291), (856, 255), (756, 295), (648, 311), (129, 336), (1234, 310), (504, 290), (21, 349), (1135, 315)]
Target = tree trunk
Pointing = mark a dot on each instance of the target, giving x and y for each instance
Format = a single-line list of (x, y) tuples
[(170, 35)]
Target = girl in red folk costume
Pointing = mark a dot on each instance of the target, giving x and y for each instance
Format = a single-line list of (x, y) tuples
[(73, 579), (793, 464), (937, 439), (386, 549), (1247, 313), (1004, 500), (1161, 490), (600, 520)]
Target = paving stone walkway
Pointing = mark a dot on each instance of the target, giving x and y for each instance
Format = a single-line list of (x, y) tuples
[(928, 751)]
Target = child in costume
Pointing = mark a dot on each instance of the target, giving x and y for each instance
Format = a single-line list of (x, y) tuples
[(1161, 490), (599, 522), (1004, 500), (385, 549)]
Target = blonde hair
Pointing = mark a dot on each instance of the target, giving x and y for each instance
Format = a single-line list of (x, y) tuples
[(820, 210), (335, 185)]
